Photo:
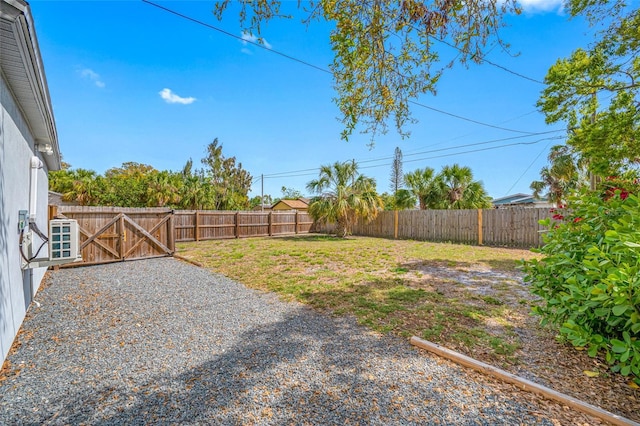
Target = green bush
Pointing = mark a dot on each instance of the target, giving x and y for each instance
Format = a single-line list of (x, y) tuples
[(589, 277)]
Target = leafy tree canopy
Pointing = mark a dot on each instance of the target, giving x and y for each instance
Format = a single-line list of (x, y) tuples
[(386, 51), (290, 193), (221, 185), (229, 180), (596, 90)]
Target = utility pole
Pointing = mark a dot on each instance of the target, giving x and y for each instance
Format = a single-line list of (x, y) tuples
[(262, 192), (353, 178)]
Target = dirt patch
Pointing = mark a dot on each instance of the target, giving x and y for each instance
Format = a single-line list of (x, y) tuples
[(468, 298), (539, 356)]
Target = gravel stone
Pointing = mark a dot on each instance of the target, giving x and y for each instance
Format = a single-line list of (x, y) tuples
[(160, 341)]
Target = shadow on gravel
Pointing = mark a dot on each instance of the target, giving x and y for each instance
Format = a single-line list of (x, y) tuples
[(281, 364), (265, 379)]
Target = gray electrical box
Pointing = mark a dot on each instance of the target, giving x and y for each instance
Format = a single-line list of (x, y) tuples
[(23, 218)]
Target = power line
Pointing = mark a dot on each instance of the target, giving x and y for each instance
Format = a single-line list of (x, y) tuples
[(373, 160), (470, 151), (479, 57), (487, 142), (472, 133), (299, 173), (528, 167), (315, 169), (227, 33), (469, 119), (483, 59)]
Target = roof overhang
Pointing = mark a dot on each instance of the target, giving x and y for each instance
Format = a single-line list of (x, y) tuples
[(22, 68)]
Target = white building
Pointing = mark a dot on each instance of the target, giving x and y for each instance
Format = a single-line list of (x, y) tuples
[(28, 150), (521, 200)]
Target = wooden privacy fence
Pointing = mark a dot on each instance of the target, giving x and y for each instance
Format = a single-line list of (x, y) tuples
[(192, 225), (512, 227), (114, 234)]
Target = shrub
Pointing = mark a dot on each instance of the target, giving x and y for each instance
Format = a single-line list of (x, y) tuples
[(589, 277)]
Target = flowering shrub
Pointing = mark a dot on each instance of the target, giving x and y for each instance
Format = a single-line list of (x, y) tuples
[(589, 277)]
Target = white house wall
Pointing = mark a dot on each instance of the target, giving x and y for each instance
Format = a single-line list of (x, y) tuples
[(17, 287)]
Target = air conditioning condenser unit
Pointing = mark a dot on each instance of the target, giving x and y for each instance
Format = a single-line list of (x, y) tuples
[(64, 240)]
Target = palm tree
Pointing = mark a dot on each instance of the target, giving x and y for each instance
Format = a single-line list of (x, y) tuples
[(82, 187), (458, 190), (404, 199), (162, 189), (195, 192), (420, 183), (565, 173), (343, 196)]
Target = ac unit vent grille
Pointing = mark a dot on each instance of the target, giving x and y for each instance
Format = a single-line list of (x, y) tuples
[(63, 239)]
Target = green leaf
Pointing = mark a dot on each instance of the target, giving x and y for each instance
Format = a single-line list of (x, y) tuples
[(619, 309), (631, 244), (611, 234), (618, 346), (625, 356)]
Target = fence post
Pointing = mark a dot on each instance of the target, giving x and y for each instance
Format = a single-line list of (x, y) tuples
[(237, 223), (196, 232), (171, 232), (479, 227), (296, 230), (123, 234), (53, 211), (395, 224), (270, 221)]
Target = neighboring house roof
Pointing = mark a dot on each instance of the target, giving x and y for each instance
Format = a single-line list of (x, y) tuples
[(23, 71), (55, 199), (511, 198), (262, 207), (291, 204), (517, 199)]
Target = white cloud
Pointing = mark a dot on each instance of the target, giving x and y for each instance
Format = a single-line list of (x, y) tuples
[(542, 5), (91, 75), (171, 98), (246, 51), (248, 37)]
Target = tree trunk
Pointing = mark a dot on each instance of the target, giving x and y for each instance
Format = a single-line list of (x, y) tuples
[(341, 228)]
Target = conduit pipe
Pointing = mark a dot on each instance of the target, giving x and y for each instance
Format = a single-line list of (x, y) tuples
[(33, 189)]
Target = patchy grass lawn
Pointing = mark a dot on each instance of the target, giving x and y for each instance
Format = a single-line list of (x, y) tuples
[(464, 297), (467, 298)]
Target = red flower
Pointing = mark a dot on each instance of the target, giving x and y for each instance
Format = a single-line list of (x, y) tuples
[(577, 219)]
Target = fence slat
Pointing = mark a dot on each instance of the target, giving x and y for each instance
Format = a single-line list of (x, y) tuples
[(512, 227)]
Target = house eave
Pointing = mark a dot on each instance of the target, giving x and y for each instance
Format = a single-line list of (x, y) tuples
[(22, 69)]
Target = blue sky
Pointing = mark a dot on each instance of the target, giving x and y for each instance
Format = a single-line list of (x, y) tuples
[(130, 82)]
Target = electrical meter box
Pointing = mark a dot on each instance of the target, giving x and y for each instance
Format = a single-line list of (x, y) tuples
[(64, 240)]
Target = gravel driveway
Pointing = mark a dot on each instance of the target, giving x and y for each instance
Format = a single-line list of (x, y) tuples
[(161, 341)]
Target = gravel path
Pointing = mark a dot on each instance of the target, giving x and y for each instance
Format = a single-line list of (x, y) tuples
[(163, 342)]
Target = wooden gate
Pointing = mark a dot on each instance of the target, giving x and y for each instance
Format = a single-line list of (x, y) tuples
[(116, 234)]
